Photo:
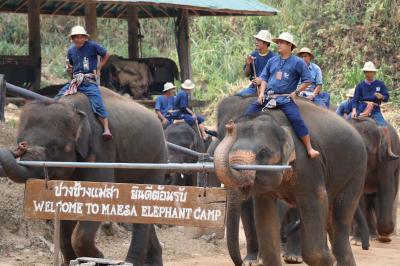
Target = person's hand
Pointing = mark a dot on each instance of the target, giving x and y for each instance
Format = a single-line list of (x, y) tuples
[(261, 99), (311, 97), (293, 95), (378, 95), (194, 116), (354, 114), (68, 68), (164, 122), (250, 59), (257, 81)]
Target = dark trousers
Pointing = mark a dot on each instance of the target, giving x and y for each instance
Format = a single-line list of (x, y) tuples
[(290, 109)]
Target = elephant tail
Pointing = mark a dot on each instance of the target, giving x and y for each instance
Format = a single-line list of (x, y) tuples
[(232, 226)]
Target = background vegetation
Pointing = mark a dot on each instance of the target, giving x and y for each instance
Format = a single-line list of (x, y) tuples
[(343, 33)]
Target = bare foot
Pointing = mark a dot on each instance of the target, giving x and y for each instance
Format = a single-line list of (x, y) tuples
[(313, 153), (107, 135)]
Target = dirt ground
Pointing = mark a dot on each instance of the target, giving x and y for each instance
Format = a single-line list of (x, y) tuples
[(27, 242)]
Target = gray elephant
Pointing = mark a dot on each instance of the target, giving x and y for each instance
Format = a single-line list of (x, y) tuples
[(382, 179), (186, 136), (326, 190), (67, 130)]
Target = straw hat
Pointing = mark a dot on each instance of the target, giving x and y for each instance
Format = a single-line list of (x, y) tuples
[(188, 85), (78, 30), (264, 35), (168, 86), (369, 66), (305, 50), (350, 92), (285, 36)]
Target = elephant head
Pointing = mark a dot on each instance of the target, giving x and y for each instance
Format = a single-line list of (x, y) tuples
[(254, 140), (48, 132)]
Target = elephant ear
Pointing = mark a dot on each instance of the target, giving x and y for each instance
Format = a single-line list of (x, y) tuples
[(288, 150), (83, 135)]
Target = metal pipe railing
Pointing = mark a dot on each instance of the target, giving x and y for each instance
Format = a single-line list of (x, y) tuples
[(208, 167), (25, 93), (187, 151)]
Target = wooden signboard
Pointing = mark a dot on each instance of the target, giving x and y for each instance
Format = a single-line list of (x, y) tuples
[(128, 203)]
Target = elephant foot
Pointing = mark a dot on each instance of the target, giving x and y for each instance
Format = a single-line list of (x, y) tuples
[(384, 239), (292, 258), (251, 260)]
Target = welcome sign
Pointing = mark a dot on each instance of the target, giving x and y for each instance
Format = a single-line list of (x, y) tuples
[(128, 203)]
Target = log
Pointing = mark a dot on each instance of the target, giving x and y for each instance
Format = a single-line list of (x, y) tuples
[(34, 40), (2, 97), (133, 32)]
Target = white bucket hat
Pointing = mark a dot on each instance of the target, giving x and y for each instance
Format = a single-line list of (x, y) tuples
[(350, 92), (168, 86), (264, 35), (369, 66), (78, 30), (188, 85), (285, 36), (306, 50)]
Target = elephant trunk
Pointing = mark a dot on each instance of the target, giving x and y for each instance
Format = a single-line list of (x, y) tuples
[(11, 168), (232, 226), (385, 225), (223, 158)]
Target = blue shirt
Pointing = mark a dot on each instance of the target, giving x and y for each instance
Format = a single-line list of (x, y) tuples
[(181, 101), (294, 70), (345, 107), (164, 104), (316, 77), (260, 62), (365, 92), (84, 59)]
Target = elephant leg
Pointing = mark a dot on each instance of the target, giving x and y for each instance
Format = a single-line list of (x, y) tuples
[(83, 239), (139, 246), (267, 226), (313, 210), (292, 254), (370, 210), (249, 228), (343, 210), (362, 227), (154, 253), (66, 230)]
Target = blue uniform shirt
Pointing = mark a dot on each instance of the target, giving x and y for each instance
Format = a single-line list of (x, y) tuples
[(316, 77), (365, 92), (181, 101), (294, 70), (164, 104), (345, 107), (84, 59), (260, 63)]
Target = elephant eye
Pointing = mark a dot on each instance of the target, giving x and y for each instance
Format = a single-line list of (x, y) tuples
[(262, 154)]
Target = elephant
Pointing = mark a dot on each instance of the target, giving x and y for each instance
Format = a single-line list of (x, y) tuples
[(67, 130), (382, 178), (186, 136), (325, 190)]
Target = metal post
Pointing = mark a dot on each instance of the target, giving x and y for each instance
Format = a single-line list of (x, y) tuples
[(2, 97)]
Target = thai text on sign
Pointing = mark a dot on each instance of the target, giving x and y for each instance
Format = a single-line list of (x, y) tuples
[(129, 203)]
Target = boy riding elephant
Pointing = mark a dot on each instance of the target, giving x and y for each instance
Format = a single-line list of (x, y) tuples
[(82, 62)]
